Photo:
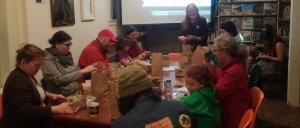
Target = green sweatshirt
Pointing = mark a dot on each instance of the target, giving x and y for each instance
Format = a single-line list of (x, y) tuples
[(205, 106)]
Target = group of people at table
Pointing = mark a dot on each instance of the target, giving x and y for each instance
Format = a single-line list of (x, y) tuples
[(218, 92)]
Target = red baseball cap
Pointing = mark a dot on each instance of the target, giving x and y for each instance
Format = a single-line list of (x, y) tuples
[(109, 34)]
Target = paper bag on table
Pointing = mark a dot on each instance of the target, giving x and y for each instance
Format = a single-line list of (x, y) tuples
[(156, 59), (165, 61), (179, 72), (186, 49), (184, 61), (100, 84), (114, 105), (198, 56)]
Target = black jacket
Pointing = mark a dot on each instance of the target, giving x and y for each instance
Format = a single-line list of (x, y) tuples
[(22, 104), (147, 111)]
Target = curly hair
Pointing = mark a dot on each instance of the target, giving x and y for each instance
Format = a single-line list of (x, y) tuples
[(202, 73)]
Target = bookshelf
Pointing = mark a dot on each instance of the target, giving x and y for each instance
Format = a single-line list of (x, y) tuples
[(249, 16), (283, 28)]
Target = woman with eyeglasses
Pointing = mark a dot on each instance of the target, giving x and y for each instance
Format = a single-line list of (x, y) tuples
[(231, 87), (59, 71)]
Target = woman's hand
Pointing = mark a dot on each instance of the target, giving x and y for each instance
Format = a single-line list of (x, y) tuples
[(181, 38), (57, 96), (141, 56), (53, 96), (148, 53), (264, 57), (62, 108), (88, 69)]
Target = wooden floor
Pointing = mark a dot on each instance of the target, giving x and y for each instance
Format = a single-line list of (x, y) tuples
[(275, 113)]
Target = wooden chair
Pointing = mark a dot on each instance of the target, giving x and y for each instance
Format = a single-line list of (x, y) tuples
[(256, 99), (174, 56), (246, 119)]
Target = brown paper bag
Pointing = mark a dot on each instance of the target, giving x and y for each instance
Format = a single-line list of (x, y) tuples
[(100, 85), (156, 59), (198, 56), (114, 105), (156, 71), (165, 61), (184, 61), (179, 72), (156, 64), (186, 49)]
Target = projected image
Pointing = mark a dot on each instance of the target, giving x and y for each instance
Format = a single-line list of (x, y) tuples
[(160, 11)]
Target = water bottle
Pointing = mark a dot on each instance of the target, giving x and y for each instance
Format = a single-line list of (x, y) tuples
[(168, 89)]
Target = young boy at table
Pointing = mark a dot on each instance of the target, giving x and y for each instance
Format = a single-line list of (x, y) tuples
[(202, 101)]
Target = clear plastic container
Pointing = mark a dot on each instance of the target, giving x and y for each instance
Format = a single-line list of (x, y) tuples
[(168, 89)]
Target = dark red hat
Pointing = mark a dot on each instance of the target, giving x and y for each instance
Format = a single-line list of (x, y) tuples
[(109, 34)]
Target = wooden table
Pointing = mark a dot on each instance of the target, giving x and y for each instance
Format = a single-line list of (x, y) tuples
[(81, 119)]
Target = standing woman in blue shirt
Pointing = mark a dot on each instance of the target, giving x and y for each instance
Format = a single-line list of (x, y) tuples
[(194, 28)]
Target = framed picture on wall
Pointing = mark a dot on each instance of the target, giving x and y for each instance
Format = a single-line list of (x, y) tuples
[(62, 13), (87, 10)]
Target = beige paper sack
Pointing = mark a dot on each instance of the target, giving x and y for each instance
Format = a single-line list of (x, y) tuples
[(114, 104), (184, 61), (156, 64), (100, 84), (198, 56), (186, 49)]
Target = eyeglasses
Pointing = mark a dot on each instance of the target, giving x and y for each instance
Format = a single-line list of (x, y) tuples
[(219, 49), (68, 44)]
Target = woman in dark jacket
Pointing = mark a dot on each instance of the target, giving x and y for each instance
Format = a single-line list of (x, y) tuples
[(23, 97), (194, 29)]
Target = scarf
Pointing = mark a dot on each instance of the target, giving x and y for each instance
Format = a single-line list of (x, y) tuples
[(64, 60)]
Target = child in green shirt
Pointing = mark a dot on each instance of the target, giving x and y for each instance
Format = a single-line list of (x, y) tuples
[(202, 101)]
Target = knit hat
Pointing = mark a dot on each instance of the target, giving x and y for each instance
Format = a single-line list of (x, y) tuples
[(133, 79)]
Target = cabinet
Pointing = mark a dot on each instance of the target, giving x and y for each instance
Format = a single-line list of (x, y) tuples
[(284, 19), (249, 16)]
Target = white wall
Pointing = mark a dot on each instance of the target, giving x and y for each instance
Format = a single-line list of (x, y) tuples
[(28, 21), (12, 31), (293, 94), (40, 30)]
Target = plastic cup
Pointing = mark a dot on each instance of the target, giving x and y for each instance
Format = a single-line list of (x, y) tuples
[(89, 99), (93, 108)]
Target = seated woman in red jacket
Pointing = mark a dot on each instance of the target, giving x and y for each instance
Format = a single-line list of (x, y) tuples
[(231, 87)]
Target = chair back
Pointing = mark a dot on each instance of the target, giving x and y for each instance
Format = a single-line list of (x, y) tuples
[(246, 119), (174, 56), (1, 109), (256, 99)]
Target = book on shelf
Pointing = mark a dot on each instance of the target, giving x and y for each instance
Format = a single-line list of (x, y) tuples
[(225, 19), (270, 20), (237, 22), (246, 36), (283, 32), (256, 36), (226, 9), (269, 8), (224, 1), (237, 9), (286, 13), (247, 9), (258, 22), (247, 23), (258, 8)]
